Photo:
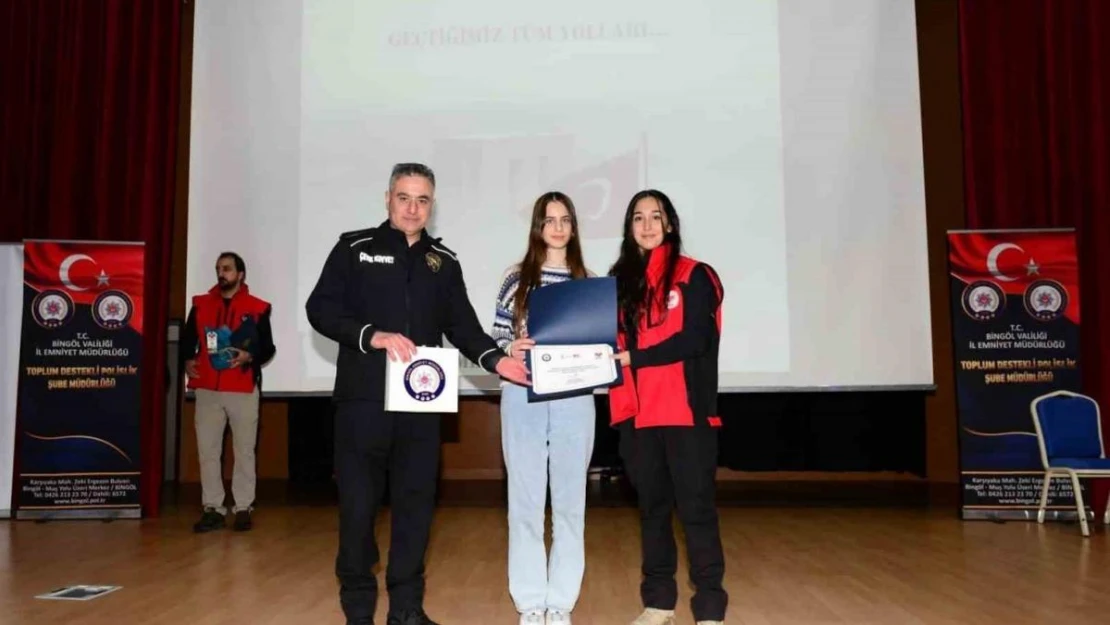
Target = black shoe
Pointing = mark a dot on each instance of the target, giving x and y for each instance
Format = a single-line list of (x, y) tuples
[(210, 520), (411, 616), (360, 621), (242, 521)]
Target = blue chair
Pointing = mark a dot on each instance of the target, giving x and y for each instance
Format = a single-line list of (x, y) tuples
[(1069, 433)]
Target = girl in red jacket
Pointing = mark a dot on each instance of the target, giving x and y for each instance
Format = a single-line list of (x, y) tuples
[(666, 408)]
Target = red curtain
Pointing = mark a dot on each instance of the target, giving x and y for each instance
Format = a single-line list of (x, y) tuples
[(1036, 92), (88, 125)]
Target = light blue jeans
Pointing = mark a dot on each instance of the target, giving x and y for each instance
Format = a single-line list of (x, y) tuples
[(559, 432)]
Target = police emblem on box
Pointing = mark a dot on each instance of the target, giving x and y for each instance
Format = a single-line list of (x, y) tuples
[(982, 300), (1045, 300), (428, 383), (112, 310), (52, 309), (424, 380)]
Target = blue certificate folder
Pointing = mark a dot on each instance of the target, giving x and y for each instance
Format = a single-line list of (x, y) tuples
[(574, 312), (244, 337)]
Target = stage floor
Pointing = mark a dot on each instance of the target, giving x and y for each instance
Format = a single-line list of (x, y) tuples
[(785, 565)]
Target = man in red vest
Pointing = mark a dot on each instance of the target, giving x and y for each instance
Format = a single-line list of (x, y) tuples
[(226, 341)]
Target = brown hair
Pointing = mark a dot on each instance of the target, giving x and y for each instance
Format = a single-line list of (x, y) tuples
[(532, 265), (634, 297)]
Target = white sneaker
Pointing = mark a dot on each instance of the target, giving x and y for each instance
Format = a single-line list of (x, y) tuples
[(710, 623), (555, 617), (535, 617), (654, 616)]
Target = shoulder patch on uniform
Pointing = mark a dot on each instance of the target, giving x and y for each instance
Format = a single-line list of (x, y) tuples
[(443, 249)]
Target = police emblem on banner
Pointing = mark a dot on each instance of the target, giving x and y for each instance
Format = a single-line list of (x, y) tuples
[(52, 309), (425, 380), (983, 300), (434, 261), (1045, 300), (112, 310)]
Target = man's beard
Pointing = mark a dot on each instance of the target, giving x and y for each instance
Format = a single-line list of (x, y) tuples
[(226, 285)]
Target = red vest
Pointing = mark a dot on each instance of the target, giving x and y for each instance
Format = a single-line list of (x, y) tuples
[(658, 395), (211, 312)]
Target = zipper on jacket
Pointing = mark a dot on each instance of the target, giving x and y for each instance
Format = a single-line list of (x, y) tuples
[(408, 297), (227, 321)]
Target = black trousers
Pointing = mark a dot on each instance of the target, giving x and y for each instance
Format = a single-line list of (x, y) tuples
[(676, 467), (371, 444)]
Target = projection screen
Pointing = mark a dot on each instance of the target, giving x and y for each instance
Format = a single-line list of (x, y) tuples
[(787, 132)]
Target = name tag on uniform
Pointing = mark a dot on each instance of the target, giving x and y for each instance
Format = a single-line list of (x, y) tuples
[(212, 340), (427, 383)]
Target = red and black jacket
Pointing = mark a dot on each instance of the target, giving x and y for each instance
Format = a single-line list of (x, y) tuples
[(212, 310), (672, 380)]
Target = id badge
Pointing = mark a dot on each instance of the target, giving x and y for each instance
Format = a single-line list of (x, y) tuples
[(213, 341)]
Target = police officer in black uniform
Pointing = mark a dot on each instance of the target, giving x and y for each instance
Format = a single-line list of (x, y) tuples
[(382, 291)]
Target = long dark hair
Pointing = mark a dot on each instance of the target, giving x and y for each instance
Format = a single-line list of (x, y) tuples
[(532, 265), (633, 295)]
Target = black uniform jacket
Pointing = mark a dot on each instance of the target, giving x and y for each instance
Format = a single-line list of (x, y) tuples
[(373, 280)]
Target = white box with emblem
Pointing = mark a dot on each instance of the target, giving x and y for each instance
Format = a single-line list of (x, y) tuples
[(427, 383)]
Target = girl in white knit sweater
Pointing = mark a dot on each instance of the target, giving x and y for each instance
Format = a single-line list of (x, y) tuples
[(559, 433)]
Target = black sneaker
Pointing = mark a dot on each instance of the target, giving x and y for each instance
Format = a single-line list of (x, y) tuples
[(242, 521), (210, 520), (411, 616)]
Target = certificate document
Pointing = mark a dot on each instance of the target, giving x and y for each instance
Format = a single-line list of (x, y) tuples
[(558, 369), (574, 325)]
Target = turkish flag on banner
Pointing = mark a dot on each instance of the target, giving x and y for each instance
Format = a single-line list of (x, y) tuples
[(87, 270), (1014, 261), (600, 193), (80, 384)]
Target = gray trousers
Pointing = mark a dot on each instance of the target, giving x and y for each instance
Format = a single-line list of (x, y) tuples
[(214, 410)]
